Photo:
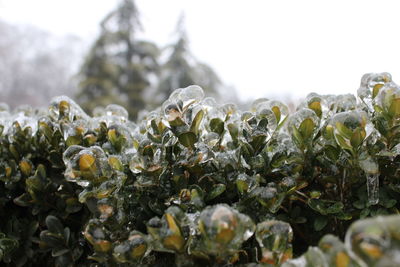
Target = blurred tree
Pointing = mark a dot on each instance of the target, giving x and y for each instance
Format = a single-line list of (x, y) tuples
[(181, 69), (118, 68), (35, 66)]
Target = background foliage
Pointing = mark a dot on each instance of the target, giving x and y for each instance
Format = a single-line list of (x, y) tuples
[(126, 70), (197, 183)]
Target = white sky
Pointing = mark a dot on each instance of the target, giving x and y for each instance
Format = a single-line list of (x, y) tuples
[(263, 48)]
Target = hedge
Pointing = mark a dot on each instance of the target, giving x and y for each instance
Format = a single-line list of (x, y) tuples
[(195, 183)]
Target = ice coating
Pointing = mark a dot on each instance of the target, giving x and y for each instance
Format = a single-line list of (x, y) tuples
[(303, 126), (371, 84), (21, 120), (110, 115), (246, 183), (98, 236), (375, 241), (275, 238), (86, 165), (388, 99), (223, 229), (133, 249), (350, 128), (370, 81), (335, 251), (299, 116), (74, 129), (167, 232), (345, 102), (221, 157), (116, 110), (368, 242), (316, 103), (187, 96), (274, 111), (63, 107), (313, 257)]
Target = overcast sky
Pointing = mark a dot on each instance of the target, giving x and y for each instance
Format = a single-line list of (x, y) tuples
[(263, 48)]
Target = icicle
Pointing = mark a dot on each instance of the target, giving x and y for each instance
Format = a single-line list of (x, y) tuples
[(371, 170), (373, 188)]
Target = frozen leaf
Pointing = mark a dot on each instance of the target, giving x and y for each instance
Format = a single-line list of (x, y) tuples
[(275, 240), (223, 229), (188, 139)]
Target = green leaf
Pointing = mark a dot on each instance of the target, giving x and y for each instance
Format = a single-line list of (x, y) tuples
[(343, 143), (297, 138), (343, 130), (7, 245), (300, 220), (233, 131), (277, 113), (343, 216), (23, 200), (258, 141), (376, 89), (154, 126), (320, 223), (364, 213), (332, 153), (54, 225), (56, 252), (52, 239), (394, 109), (335, 207), (217, 190), (217, 126), (357, 137), (389, 203), (325, 206), (242, 186), (196, 122), (306, 128), (176, 122), (359, 204), (187, 139), (73, 140), (316, 107)]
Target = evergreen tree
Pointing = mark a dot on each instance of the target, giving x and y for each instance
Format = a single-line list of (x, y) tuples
[(181, 69), (118, 68)]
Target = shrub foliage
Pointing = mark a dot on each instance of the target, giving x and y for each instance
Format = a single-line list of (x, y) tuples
[(195, 183)]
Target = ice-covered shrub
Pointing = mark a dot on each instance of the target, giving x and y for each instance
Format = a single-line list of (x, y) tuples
[(195, 183)]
